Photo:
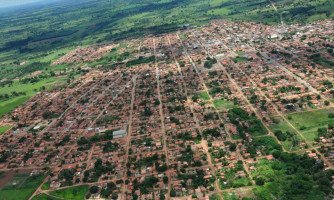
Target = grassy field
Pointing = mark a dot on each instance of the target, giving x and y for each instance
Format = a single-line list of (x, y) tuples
[(309, 122), (74, 193), (283, 126), (222, 103), (8, 106), (3, 129), (21, 187), (204, 96), (30, 89), (44, 197), (46, 185), (230, 196)]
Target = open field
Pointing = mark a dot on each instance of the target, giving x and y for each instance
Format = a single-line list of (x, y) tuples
[(5, 128), (24, 91), (222, 103), (283, 126), (20, 187), (44, 197), (308, 122), (8, 106), (73, 193)]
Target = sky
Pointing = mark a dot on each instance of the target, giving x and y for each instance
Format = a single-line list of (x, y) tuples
[(10, 3)]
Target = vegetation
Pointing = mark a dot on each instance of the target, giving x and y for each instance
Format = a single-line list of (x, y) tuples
[(222, 103), (210, 62), (239, 59), (19, 91), (234, 177), (89, 21), (140, 60), (292, 176), (73, 193), (3, 129), (265, 144), (146, 184), (204, 96), (86, 22), (309, 122), (246, 123), (22, 186), (292, 140)]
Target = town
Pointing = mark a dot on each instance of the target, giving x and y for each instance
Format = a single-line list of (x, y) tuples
[(189, 114)]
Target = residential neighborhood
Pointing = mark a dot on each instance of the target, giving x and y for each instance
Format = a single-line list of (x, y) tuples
[(189, 114)]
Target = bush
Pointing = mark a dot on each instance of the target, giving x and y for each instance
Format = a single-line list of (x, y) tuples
[(209, 62), (233, 147), (94, 189), (280, 135)]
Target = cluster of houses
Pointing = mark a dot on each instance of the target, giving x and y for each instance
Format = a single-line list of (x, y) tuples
[(162, 128), (84, 54)]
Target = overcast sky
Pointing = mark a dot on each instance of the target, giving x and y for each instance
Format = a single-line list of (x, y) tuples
[(10, 3)]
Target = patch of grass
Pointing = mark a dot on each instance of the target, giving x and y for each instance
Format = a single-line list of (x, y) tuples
[(204, 96), (282, 125), (8, 106), (44, 197), (222, 103), (140, 60), (5, 128), (230, 196), (239, 59), (21, 187), (236, 137), (30, 89), (232, 179), (73, 193), (308, 122), (46, 185), (266, 144), (214, 197)]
